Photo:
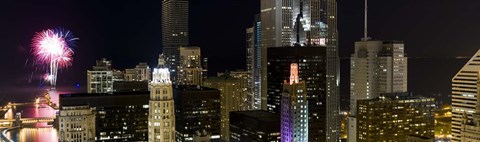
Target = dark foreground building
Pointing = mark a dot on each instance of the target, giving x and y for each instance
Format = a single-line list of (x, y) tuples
[(197, 109), (120, 116), (312, 65), (254, 126)]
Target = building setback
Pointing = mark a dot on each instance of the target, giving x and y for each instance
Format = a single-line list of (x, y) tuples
[(197, 110), (395, 117), (312, 69), (257, 125), (119, 116)]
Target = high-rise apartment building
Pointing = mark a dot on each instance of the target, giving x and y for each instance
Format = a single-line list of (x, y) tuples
[(376, 67), (395, 117), (141, 72), (233, 98), (465, 98), (119, 116), (174, 32), (254, 67), (190, 67), (470, 130), (312, 69), (76, 123), (294, 109), (254, 126), (100, 79), (161, 115), (197, 110)]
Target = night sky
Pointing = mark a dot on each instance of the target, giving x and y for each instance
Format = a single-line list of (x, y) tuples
[(129, 32)]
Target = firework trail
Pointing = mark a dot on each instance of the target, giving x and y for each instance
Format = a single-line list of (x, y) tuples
[(54, 48)]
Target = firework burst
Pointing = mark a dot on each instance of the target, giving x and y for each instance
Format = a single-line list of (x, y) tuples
[(54, 48)]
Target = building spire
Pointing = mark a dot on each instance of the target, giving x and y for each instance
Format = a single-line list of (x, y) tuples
[(365, 28), (294, 73), (161, 75)]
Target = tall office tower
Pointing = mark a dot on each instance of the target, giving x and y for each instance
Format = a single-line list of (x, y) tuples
[(76, 123), (190, 68), (294, 109), (470, 130), (395, 117), (254, 126), (243, 77), (140, 73), (197, 109), (254, 67), (465, 95), (161, 115), (276, 28), (100, 79), (312, 62), (119, 116), (376, 67), (233, 98), (174, 32)]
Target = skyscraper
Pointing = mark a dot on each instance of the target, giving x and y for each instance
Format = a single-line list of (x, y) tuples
[(161, 115), (197, 109), (376, 67), (233, 98), (294, 109), (141, 72), (317, 26), (174, 32), (190, 67), (312, 70), (465, 96), (254, 67)]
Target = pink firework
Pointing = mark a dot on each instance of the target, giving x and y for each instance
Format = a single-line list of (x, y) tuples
[(53, 48)]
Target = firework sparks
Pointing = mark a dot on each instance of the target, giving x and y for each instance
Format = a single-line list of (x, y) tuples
[(53, 48)]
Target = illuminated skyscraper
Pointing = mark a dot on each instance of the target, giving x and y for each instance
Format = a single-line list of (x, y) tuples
[(317, 24), (254, 67), (140, 73), (312, 69), (100, 79), (174, 32), (294, 109), (376, 67), (161, 116), (233, 98), (465, 99), (190, 67)]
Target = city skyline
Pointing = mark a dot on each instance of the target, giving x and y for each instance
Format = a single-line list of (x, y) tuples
[(343, 77)]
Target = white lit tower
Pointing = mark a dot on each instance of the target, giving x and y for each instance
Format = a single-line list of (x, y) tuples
[(161, 116)]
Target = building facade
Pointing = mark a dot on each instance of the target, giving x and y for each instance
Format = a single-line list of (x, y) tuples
[(141, 72), (197, 109), (257, 125), (119, 116), (190, 69), (161, 115), (100, 79), (254, 68), (395, 117), (312, 69), (465, 100), (294, 109), (233, 98), (174, 32), (76, 123), (376, 67)]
